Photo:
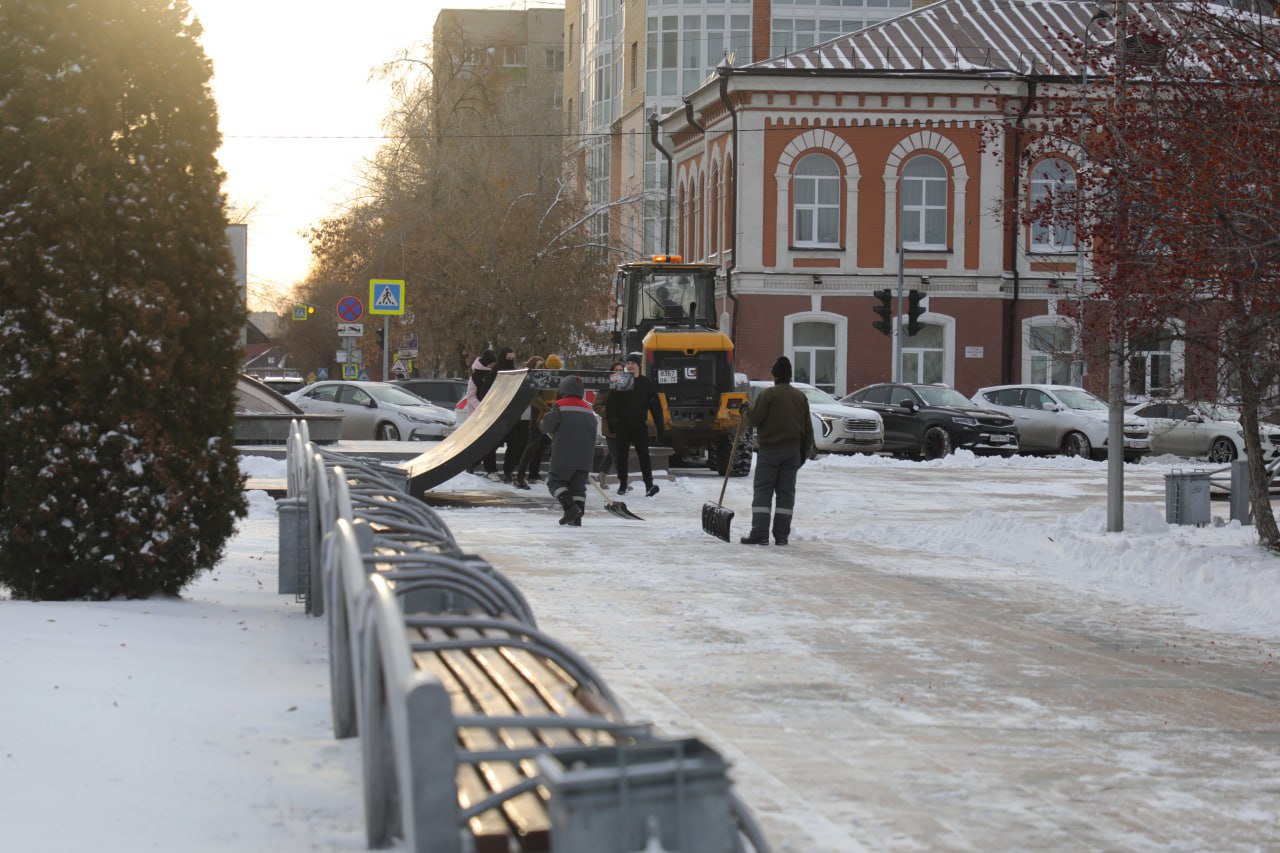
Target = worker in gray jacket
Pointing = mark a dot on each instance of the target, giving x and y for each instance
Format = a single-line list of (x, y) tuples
[(572, 425)]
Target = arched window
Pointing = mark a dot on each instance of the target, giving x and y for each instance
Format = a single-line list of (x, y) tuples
[(924, 204), (815, 341), (816, 201), (1053, 193)]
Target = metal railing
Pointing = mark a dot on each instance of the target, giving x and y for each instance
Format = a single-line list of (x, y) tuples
[(403, 600)]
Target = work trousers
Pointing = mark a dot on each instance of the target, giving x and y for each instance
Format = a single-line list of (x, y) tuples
[(775, 490)]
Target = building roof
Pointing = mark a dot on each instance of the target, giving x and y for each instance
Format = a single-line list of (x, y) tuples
[(958, 36)]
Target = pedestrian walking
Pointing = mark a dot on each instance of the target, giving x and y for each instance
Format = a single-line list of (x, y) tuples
[(518, 436), (529, 468), (572, 426), (478, 385), (628, 413), (784, 439), (599, 406)]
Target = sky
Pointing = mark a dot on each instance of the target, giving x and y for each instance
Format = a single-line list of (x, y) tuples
[(300, 105), (948, 655)]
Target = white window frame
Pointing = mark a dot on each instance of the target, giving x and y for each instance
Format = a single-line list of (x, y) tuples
[(1031, 356), (1052, 176), (915, 217), (1176, 355), (948, 325), (815, 208), (841, 324)]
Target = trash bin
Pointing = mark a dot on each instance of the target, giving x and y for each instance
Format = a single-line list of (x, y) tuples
[(294, 555), (1186, 497)]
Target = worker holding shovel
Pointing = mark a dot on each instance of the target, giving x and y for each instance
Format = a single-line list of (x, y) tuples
[(784, 439)]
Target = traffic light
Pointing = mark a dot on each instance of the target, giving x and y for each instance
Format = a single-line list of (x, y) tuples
[(914, 310), (382, 338), (885, 310)]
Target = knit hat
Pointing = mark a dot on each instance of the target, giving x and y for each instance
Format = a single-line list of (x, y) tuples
[(488, 357), (552, 363), (636, 357), (571, 386), (781, 369)]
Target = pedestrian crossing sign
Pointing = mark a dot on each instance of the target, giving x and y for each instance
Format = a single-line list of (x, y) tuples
[(350, 371), (386, 296)]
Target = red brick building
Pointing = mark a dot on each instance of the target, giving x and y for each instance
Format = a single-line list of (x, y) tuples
[(829, 143)]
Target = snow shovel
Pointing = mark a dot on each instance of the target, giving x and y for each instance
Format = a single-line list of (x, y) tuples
[(617, 508), (715, 518)]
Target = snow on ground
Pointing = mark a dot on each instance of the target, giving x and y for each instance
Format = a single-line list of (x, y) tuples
[(202, 723)]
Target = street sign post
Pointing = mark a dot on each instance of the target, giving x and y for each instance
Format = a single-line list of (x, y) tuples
[(350, 309), (386, 297), (350, 330)]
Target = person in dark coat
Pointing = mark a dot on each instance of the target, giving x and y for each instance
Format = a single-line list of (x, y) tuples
[(572, 427), (784, 439), (530, 468), (600, 407), (628, 413)]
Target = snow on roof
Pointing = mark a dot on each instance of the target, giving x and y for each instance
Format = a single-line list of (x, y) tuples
[(966, 36)]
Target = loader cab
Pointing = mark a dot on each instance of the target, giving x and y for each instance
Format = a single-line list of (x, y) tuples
[(663, 292)]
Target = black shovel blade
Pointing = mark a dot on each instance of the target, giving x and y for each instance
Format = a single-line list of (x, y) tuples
[(619, 509), (716, 520)]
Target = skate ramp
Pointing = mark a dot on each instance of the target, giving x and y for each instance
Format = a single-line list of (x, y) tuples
[(508, 398), (483, 431)]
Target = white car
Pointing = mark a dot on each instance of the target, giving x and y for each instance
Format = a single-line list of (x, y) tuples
[(1210, 430), (837, 427), (376, 410), (1063, 419)]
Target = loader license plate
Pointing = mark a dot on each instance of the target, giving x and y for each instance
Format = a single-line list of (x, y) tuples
[(668, 377)]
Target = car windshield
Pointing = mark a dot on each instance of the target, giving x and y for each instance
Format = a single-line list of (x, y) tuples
[(817, 395), (938, 395), (1218, 412), (395, 395), (1078, 398)]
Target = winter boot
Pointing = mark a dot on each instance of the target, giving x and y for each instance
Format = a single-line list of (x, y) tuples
[(572, 512), (622, 487), (521, 483), (652, 490), (781, 527)]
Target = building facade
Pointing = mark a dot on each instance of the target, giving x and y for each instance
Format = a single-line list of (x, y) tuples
[(835, 145), (626, 61)]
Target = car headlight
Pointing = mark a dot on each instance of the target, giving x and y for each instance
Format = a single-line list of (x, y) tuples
[(828, 424), (425, 419), (963, 421)]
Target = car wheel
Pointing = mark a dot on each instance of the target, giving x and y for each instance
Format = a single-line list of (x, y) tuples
[(936, 443), (388, 432), (1222, 450), (1077, 444)]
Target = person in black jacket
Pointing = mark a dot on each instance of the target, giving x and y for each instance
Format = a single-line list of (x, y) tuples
[(627, 413), (784, 437)]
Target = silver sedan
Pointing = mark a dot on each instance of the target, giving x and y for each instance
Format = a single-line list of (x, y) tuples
[(376, 410)]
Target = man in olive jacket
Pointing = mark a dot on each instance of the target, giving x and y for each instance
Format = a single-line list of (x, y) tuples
[(784, 439)]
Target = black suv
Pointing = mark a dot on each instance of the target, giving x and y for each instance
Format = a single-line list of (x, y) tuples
[(930, 421), (443, 392)]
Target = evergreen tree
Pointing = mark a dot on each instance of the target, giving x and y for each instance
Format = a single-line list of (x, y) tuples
[(120, 311)]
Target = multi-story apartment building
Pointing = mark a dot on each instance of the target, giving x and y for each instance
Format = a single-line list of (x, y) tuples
[(494, 60), (628, 60)]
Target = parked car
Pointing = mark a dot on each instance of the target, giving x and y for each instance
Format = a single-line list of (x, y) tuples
[(1063, 419), (837, 428), (445, 393), (1210, 430), (930, 421), (376, 410), (281, 384)]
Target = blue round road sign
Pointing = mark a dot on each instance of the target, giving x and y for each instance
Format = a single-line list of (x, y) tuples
[(350, 309)]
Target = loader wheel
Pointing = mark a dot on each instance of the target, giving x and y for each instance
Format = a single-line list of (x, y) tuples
[(718, 456), (742, 461)]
